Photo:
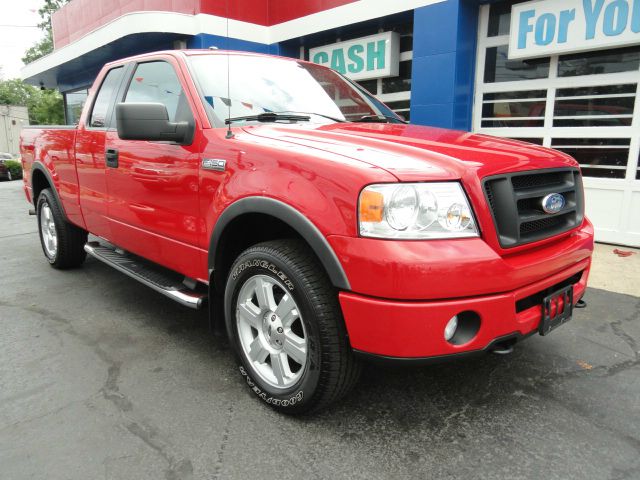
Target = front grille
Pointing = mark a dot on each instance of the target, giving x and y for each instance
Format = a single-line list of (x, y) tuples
[(515, 200)]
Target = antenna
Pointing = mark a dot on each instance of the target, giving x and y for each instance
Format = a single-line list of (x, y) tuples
[(229, 132)]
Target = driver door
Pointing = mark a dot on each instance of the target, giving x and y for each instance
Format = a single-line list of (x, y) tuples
[(153, 186)]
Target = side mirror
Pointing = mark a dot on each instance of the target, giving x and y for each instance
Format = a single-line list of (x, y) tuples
[(150, 121)]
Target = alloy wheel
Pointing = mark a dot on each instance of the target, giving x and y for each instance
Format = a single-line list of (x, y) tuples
[(271, 331)]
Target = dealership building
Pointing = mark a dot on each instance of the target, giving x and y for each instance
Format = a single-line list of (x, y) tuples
[(559, 73)]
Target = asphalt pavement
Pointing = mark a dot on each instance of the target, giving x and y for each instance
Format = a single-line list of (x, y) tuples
[(100, 377)]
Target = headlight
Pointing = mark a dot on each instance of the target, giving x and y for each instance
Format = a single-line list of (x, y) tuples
[(415, 211)]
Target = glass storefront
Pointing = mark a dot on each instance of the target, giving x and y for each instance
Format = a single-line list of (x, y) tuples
[(584, 104), (393, 91)]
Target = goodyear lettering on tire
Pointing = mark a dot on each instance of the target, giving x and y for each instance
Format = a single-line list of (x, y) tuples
[(297, 398)]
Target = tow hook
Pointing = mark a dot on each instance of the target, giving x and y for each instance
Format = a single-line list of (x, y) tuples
[(581, 304), (504, 348)]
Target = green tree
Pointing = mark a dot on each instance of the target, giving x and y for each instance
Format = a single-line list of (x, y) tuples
[(45, 106), (15, 92), (44, 46), (39, 49)]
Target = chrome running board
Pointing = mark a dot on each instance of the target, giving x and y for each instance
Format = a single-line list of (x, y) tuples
[(147, 273)]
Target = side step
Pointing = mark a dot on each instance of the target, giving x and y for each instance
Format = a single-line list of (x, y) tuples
[(151, 275)]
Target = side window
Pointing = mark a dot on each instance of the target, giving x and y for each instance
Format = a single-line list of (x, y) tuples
[(157, 82), (102, 104)]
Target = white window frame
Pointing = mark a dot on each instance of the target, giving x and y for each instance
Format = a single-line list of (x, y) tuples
[(551, 84), (623, 212)]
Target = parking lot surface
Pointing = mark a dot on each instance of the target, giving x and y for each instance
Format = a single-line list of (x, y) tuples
[(100, 377)]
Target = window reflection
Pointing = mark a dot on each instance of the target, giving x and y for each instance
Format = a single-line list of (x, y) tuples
[(498, 67), (598, 157), (73, 104), (593, 63)]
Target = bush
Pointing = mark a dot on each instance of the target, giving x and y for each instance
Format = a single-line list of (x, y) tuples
[(15, 167)]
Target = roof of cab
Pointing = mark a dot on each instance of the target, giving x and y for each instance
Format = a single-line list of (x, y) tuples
[(195, 52)]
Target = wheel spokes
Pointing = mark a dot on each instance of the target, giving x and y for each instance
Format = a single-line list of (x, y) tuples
[(273, 350), (295, 347), (248, 315), (280, 367), (264, 294), (287, 310), (257, 352)]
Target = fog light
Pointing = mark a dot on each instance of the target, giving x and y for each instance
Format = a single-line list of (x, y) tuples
[(450, 329)]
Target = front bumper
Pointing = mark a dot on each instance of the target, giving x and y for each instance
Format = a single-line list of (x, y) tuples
[(414, 329)]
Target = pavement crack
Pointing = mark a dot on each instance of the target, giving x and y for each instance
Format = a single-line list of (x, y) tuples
[(18, 235), (223, 445), (178, 468), (111, 391), (44, 415), (622, 334), (544, 390)]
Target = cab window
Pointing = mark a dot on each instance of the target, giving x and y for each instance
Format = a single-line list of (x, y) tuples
[(102, 105), (157, 82)]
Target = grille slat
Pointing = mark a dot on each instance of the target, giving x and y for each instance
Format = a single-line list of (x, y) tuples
[(515, 200), (540, 180)]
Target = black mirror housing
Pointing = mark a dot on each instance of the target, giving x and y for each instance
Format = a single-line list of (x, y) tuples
[(150, 122)]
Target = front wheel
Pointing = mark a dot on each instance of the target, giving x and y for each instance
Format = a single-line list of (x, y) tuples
[(285, 324)]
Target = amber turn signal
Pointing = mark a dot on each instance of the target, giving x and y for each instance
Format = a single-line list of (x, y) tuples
[(371, 206)]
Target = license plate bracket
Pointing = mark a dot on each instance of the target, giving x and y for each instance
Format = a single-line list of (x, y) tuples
[(557, 310)]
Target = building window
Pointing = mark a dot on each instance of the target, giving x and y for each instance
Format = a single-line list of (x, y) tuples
[(394, 91), (73, 105), (584, 104), (498, 67), (596, 63)]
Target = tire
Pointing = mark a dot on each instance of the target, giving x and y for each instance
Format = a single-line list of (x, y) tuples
[(313, 365), (62, 242)]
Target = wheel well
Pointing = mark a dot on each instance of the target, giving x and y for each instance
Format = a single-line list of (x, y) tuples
[(38, 183), (244, 231)]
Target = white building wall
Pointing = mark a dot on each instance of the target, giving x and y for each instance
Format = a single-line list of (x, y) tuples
[(12, 119)]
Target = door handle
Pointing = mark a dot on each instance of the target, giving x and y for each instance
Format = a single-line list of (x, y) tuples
[(111, 157)]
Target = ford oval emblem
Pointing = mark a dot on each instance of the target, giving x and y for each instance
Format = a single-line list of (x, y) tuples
[(553, 203)]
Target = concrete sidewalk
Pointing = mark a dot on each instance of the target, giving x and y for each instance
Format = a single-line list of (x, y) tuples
[(614, 273)]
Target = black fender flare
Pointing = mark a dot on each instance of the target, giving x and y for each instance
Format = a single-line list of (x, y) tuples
[(40, 167), (292, 217)]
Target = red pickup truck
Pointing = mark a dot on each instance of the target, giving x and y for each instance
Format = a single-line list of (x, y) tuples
[(320, 228)]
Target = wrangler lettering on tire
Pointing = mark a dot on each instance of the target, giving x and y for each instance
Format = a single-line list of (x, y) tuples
[(286, 327)]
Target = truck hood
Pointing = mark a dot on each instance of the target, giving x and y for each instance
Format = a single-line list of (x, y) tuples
[(413, 153)]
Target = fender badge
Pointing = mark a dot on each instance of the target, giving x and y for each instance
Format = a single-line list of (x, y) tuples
[(214, 164)]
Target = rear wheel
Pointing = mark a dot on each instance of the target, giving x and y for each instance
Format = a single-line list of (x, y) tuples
[(62, 242), (285, 324)]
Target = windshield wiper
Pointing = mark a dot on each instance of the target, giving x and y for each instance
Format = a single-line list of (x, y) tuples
[(380, 119), (269, 117), (314, 113)]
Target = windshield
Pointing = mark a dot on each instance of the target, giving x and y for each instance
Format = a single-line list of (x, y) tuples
[(267, 84)]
